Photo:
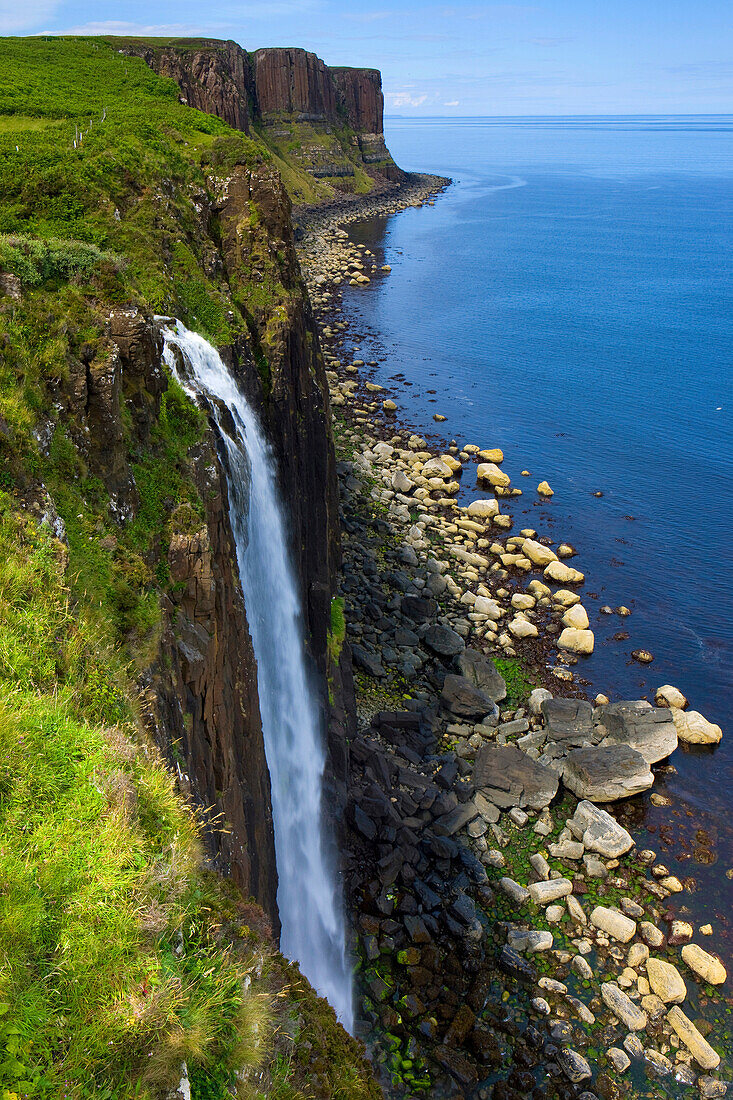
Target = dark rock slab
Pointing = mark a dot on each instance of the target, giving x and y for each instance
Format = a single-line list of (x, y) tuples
[(419, 609), (504, 772), (649, 730), (443, 640), (451, 822), (513, 964), (568, 720), (606, 773), (463, 698), (368, 662), (482, 673)]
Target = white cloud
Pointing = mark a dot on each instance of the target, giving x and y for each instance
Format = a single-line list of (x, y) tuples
[(451, 103), (150, 30), (24, 17), (405, 99)]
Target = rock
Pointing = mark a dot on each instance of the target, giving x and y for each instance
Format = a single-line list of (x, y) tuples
[(630, 1015), (666, 981), (693, 729), (444, 641), (643, 656), (554, 913), (599, 831), (544, 490), (711, 1088), (400, 481), (567, 849), (668, 696), (537, 698), (619, 1059), (638, 954), (436, 467), (613, 923), (513, 890), (577, 641), (483, 509), (494, 454), (698, 1047), (563, 574), (657, 1062), (506, 768), (576, 911), (489, 471), (463, 699), (576, 617), (522, 628), (513, 964), (482, 673), (573, 1065), (537, 553), (704, 965), (651, 934), (649, 730), (607, 773), (582, 968), (530, 941), (542, 893), (367, 661)]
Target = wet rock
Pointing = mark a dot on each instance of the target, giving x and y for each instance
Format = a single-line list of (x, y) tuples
[(563, 574), (657, 1063), (529, 941), (699, 1048), (513, 964), (693, 729), (704, 965), (630, 1015), (613, 923), (573, 1065), (513, 890), (607, 773), (651, 934), (666, 981), (669, 696), (577, 641), (542, 893), (619, 1059), (599, 831), (711, 1088)]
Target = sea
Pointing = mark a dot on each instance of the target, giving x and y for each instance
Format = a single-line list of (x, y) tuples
[(570, 299)]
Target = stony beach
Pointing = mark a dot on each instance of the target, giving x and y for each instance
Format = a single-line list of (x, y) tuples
[(510, 935)]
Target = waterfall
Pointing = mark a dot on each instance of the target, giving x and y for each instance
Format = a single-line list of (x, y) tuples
[(308, 901)]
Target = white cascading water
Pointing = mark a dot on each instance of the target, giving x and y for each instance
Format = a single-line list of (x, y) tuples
[(308, 902)]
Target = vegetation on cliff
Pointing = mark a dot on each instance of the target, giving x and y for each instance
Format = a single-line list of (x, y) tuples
[(120, 957)]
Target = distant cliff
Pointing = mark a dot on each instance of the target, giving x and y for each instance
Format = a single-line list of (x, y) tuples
[(325, 121)]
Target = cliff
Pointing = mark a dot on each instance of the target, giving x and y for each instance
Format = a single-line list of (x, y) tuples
[(119, 583), (319, 122)]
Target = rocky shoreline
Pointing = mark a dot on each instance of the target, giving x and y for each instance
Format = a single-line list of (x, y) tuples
[(510, 936)]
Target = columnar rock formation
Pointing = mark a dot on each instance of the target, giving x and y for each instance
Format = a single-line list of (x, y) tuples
[(280, 91)]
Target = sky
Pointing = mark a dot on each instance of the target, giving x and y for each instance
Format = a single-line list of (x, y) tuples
[(548, 57)]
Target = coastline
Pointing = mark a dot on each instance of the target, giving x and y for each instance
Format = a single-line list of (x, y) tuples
[(373, 444)]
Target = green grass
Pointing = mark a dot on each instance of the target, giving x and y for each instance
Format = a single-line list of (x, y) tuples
[(119, 956), (337, 632), (516, 678)]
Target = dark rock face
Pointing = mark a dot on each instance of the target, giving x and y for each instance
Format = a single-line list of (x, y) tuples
[(200, 694), (293, 81), (276, 84), (360, 98), (215, 78)]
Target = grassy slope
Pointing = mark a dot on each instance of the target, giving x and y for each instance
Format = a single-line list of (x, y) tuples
[(119, 956)]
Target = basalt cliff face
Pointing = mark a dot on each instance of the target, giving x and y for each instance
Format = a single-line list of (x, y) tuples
[(325, 120)]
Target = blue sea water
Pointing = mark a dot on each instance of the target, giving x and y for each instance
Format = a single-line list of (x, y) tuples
[(569, 299)]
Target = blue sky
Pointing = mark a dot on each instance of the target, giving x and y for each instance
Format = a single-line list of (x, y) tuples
[(472, 58)]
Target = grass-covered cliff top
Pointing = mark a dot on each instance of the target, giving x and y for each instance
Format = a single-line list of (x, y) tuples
[(120, 957)]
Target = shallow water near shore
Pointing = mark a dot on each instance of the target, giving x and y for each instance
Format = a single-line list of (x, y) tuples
[(568, 299)]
